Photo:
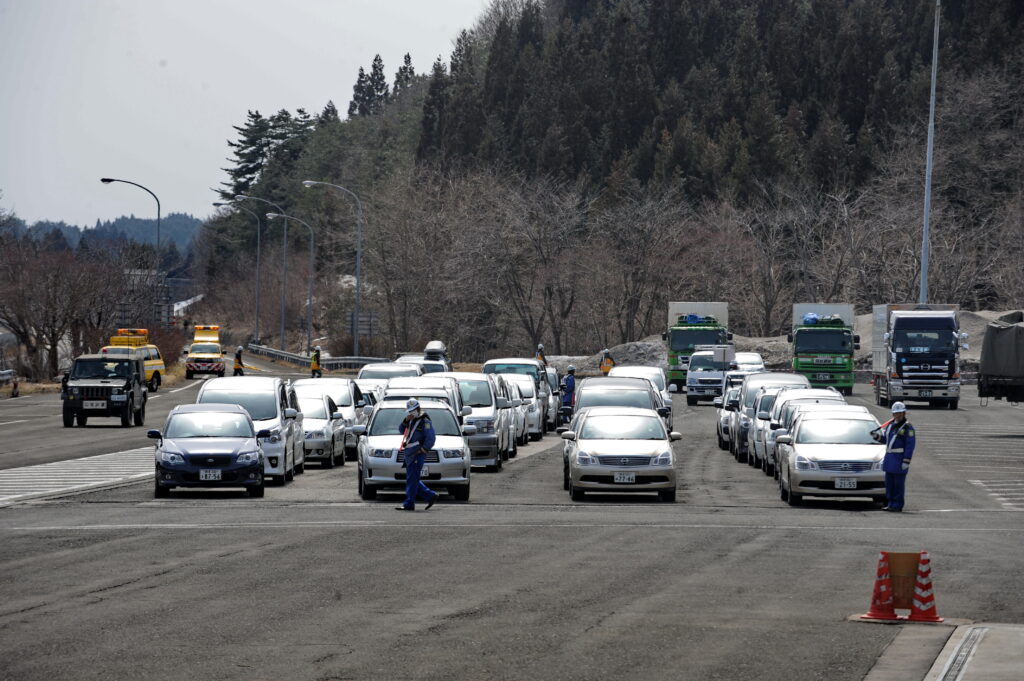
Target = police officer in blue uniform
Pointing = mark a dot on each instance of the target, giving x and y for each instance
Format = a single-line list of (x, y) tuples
[(418, 437), (899, 438), (568, 388)]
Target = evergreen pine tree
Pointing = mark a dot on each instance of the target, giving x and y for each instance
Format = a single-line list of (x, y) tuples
[(378, 90), (432, 134), (328, 115), (251, 153), (360, 96), (404, 76)]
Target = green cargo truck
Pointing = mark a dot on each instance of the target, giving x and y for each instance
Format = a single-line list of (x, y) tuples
[(824, 343), (689, 325)]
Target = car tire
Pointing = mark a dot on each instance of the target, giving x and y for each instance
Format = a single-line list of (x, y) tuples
[(154, 383), (691, 401), (126, 415), (752, 456), (366, 492), (667, 495), (188, 375), (220, 374), (349, 454), (795, 499), (514, 452), (536, 436), (460, 493), (139, 417), (329, 461), (954, 404), (82, 419), (300, 468), (722, 444), (257, 492), (565, 476), (69, 418), (161, 492), (576, 494)]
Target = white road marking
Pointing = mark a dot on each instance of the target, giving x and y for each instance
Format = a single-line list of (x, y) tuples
[(7, 423), (58, 477), (186, 387)]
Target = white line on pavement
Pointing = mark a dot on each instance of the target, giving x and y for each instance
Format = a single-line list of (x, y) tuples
[(186, 387), (7, 423)]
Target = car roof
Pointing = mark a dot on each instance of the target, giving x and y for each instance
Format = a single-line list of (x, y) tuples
[(329, 380), (514, 360), (639, 368), (829, 406), (107, 357), (208, 407), (464, 375), (241, 383), (425, 381), (804, 393), (426, 404), (774, 378), (391, 365), (616, 383), (621, 411), (826, 415), (415, 392)]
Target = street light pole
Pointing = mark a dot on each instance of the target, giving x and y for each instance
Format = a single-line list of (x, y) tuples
[(925, 245), (256, 331), (309, 293), (284, 269), (108, 180), (359, 255)]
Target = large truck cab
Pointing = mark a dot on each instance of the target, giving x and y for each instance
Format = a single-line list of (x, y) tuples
[(690, 325), (823, 345)]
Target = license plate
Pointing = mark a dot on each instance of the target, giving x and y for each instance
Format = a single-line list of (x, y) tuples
[(621, 476), (823, 377), (206, 474), (425, 472), (846, 483), (118, 398), (924, 393), (822, 360), (94, 404)]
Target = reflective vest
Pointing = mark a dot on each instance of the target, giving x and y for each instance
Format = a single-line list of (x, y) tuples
[(238, 361), (314, 362), (606, 364)]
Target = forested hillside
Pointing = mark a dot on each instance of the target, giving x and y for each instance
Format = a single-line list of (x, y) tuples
[(573, 165)]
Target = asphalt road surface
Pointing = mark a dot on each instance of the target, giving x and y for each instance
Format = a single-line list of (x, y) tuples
[(519, 583)]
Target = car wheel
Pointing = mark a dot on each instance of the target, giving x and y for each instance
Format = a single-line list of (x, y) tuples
[(329, 461), (69, 419), (565, 476), (154, 383), (751, 456), (188, 375), (954, 404), (126, 415), (575, 494), (460, 493), (300, 468), (82, 420), (721, 443), (536, 436), (349, 455), (691, 401), (514, 452), (257, 492), (366, 492), (140, 416), (795, 499), (161, 492), (667, 495)]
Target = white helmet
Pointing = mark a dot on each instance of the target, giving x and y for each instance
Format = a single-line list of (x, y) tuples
[(318, 348), (412, 405), (899, 408), (605, 351), (571, 368), (238, 349), (540, 346)]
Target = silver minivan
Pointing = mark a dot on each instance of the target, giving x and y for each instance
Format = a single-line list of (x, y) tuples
[(745, 405), (522, 365), (489, 412)]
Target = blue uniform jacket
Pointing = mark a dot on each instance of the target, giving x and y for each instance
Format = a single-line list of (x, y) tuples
[(422, 435), (899, 446), (568, 389)]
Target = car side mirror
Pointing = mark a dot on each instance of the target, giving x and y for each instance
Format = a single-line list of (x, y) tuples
[(774, 426), (664, 336), (358, 430), (674, 435), (856, 346), (360, 404), (964, 335), (731, 407), (154, 435), (886, 336), (367, 410), (466, 411), (501, 403), (674, 388), (469, 430), (263, 434), (763, 415), (568, 435), (337, 416), (856, 338), (663, 411), (290, 413), (561, 429), (717, 402), (783, 439), (780, 432), (789, 338)]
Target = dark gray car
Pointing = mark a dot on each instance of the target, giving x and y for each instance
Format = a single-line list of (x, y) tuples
[(105, 385)]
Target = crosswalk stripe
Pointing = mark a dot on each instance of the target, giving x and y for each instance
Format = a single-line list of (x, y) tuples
[(29, 482)]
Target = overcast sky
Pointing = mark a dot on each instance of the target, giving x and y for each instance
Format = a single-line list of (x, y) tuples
[(147, 90)]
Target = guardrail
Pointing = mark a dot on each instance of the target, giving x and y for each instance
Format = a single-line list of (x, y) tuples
[(7, 375), (303, 360)]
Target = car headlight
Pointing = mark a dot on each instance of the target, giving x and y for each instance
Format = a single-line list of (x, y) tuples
[(877, 466), (275, 436), (248, 457), (484, 426), (805, 464), (117, 391), (452, 453), (74, 391), (584, 459), (663, 459), (170, 457), (382, 453), (745, 421)]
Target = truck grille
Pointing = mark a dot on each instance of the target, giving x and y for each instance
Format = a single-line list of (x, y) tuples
[(95, 392), (709, 381), (925, 375)]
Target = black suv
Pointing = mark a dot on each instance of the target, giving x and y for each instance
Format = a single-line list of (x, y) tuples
[(105, 385)]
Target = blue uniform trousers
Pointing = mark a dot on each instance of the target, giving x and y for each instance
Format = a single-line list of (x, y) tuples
[(414, 487), (895, 487)]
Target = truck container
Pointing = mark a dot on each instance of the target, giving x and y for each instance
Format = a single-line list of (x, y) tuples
[(823, 344), (1001, 371), (691, 324), (915, 354)]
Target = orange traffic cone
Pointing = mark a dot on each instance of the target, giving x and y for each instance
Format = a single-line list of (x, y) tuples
[(923, 609), (882, 607)]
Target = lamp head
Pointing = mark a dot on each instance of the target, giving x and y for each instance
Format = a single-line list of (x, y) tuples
[(309, 183), (271, 216), (240, 197), (106, 180)]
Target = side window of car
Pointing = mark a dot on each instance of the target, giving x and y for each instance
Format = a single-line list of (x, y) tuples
[(293, 402), (283, 400), (331, 406)]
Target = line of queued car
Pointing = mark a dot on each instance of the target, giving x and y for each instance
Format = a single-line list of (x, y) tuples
[(809, 440)]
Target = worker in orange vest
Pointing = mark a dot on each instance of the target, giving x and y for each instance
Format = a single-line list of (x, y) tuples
[(607, 361), (314, 364)]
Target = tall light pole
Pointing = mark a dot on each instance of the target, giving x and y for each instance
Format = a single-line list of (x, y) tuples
[(256, 331), (108, 180), (359, 255), (309, 294), (284, 269), (923, 295)]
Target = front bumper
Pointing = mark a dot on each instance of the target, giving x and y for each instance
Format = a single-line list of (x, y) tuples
[(383, 473), (205, 367), (275, 460), (484, 449), (704, 392), (187, 475), (317, 449), (917, 393), (823, 483), (110, 407), (598, 478)]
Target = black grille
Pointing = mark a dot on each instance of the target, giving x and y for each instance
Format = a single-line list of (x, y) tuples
[(709, 381), (225, 476), (432, 457), (210, 460), (624, 460), (610, 479), (95, 392)]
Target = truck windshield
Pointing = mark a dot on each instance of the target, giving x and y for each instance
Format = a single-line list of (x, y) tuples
[(706, 363), (823, 340), (205, 349), (681, 340), (931, 340)]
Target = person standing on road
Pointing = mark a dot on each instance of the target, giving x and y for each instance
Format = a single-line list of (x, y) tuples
[(900, 439), (540, 355), (239, 365), (417, 439), (314, 363), (568, 390), (607, 361)]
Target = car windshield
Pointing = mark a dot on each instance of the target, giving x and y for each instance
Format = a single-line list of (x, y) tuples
[(261, 406), (932, 340), (681, 340), (432, 367), (525, 389), (614, 398), (391, 372), (836, 432), (342, 398), (208, 424), (823, 340), (622, 428), (313, 407), (205, 349), (766, 402), (706, 363), (749, 358), (101, 368), (475, 393), (526, 369), (387, 422)]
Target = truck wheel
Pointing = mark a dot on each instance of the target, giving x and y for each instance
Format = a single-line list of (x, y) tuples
[(126, 415), (140, 416), (82, 419), (188, 375), (954, 404), (69, 418)]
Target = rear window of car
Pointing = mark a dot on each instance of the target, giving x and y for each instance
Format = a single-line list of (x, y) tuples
[(370, 372), (526, 369), (614, 398), (261, 406), (475, 393), (388, 421)]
